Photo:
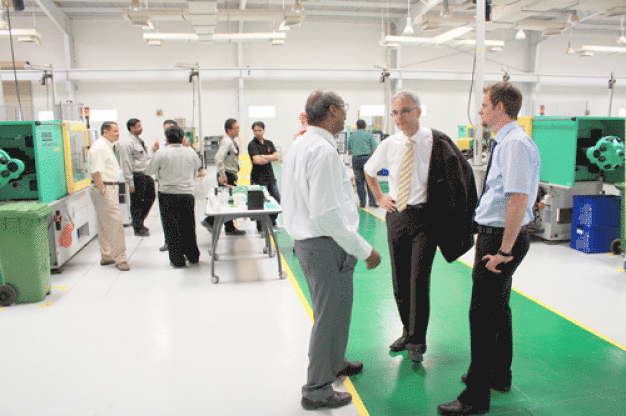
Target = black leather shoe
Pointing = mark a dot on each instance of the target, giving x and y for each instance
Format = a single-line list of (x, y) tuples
[(143, 232), (236, 232), (398, 345), (337, 399), (416, 352), (501, 387), (456, 408), (164, 248), (353, 368)]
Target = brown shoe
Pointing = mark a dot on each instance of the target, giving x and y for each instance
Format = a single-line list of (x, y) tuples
[(123, 266), (104, 262)]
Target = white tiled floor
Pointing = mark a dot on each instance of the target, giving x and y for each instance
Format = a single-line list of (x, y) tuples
[(164, 341)]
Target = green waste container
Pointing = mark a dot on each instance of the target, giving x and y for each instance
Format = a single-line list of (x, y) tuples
[(24, 252)]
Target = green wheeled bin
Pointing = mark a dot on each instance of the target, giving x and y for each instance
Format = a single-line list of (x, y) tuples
[(24, 252)]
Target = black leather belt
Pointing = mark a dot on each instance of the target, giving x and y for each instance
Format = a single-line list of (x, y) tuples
[(109, 183), (485, 229)]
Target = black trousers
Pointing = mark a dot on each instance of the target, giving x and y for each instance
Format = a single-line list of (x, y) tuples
[(412, 250), (272, 189), (231, 179), (491, 332), (142, 199), (179, 225)]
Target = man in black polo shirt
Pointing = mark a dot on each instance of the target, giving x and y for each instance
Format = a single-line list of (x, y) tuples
[(262, 153)]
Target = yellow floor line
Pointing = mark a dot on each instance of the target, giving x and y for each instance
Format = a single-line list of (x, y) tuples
[(356, 398), (562, 315)]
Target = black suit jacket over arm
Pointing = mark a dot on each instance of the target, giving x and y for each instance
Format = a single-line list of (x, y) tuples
[(451, 198)]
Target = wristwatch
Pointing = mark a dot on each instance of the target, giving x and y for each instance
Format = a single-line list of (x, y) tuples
[(502, 253)]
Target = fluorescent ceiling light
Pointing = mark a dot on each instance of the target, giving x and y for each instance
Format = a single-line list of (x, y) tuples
[(590, 50), (391, 41), (278, 41), (155, 42), (408, 29), (23, 35), (217, 37), (520, 35)]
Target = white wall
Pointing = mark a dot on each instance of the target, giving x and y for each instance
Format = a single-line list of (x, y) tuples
[(330, 51)]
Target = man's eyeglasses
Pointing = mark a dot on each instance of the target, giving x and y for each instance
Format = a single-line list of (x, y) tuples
[(344, 106), (402, 112)]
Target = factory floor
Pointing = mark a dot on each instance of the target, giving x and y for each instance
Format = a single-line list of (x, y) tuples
[(163, 341)]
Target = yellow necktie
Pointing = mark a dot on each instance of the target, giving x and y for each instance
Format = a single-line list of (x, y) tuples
[(405, 177)]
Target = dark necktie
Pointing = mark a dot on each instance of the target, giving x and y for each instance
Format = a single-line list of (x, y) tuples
[(491, 150), (142, 144)]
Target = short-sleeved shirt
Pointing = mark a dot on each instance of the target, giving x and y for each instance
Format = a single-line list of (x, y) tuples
[(514, 168), (361, 143), (101, 158), (389, 155), (261, 174)]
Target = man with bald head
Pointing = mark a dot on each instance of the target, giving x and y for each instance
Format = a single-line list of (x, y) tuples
[(320, 214)]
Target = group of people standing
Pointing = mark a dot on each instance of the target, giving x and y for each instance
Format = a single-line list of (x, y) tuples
[(432, 202), (175, 166)]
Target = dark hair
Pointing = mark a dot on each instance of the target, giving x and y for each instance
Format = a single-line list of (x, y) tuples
[(174, 134), (258, 123), (106, 126), (228, 125), (507, 94), (172, 122), (131, 123), (318, 103), (361, 124)]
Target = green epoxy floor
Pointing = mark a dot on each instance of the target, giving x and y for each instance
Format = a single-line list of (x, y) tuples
[(559, 368)]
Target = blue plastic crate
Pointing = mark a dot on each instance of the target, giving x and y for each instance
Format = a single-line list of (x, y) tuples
[(596, 211), (593, 239)]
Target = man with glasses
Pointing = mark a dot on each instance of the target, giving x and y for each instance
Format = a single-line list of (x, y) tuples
[(320, 214), (432, 196)]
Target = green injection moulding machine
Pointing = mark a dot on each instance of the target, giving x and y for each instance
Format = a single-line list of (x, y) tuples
[(578, 156), (47, 162)]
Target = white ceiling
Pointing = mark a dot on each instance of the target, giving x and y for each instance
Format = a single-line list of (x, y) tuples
[(507, 14)]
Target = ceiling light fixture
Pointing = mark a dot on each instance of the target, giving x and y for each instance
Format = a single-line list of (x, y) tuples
[(622, 38), (23, 35), (297, 7), (588, 50), (135, 5), (445, 10), (283, 27), (408, 29), (155, 42), (520, 35), (570, 50), (573, 18)]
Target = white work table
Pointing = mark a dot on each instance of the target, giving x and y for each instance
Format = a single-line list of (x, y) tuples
[(218, 206)]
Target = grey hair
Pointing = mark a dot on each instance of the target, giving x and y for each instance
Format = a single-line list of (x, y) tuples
[(407, 94), (318, 103)]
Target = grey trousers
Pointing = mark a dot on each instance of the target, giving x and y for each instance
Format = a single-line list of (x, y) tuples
[(328, 270)]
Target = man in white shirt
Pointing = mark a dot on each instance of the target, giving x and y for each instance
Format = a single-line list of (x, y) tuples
[(105, 172), (431, 200), (320, 214)]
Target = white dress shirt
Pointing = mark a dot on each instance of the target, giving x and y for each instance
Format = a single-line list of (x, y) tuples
[(101, 158), (317, 195), (389, 155)]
